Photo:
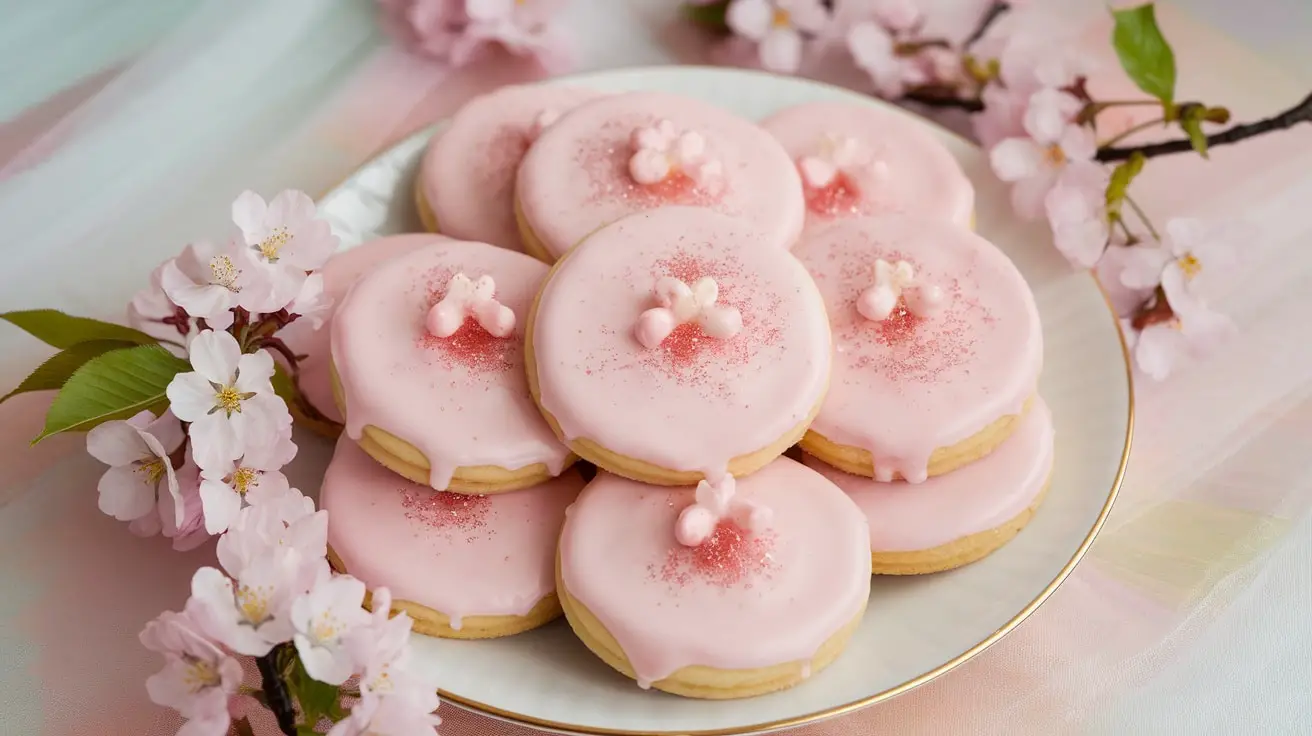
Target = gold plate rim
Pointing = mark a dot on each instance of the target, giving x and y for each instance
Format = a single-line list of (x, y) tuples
[(925, 677)]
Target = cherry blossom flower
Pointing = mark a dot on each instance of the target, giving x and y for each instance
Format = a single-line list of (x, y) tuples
[(1193, 331), (188, 533), (778, 28), (228, 399), (522, 27), (137, 452), (323, 618), (285, 239), (1190, 253), (874, 49), (380, 650), (252, 479), (152, 312), (1077, 212), (207, 282), (427, 27), (377, 715), (284, 521), (312, 304), (198, 677), (1029, 61), (250, 615), (1035, 163)]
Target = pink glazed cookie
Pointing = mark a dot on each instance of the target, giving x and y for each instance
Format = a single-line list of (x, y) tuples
[(462, 566), (867, 160), (727, 591), (633, 152), (955, 519), (310, 340), (466, 182), (428, 362), (937, 346), (670, 347)]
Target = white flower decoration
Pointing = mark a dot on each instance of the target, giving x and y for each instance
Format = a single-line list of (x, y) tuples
[(893, 282), (466, 299), (662, 150), (838, 154), (680, 304), (714, 503), (228, 400), (137, 451), (322, 618)]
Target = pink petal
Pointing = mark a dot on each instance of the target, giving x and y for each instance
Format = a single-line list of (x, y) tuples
[(116, 443), (124, 494), (1048, 113), (1015, 159), (1001, 118), (254, 371), (750, 18), (216, 440), (214, 355), (248, 212), (900, 15), (1143, 266), (166, 429), (871, 46), (190, 396), (781, 50), (489, 10), (1027, 195), (221, 504), (806, 15), (1158, 350), (289, 207), (1079, 143)]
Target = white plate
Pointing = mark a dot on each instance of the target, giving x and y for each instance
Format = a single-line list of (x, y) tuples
[(916, 628)]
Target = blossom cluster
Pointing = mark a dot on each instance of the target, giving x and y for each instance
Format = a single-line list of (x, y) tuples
[(455, 32), (211, 464)]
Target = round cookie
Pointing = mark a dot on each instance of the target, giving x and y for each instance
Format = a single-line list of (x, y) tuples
[(671, 346), (955, 519), (726, 591), (310, 340), (937, 345), (428, 362), (637, 151), (462, 566), (859, 160), (465, 188)]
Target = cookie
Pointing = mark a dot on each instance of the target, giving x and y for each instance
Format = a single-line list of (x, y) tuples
[(937, 346), (674, 345), (955, 519), (638, 151), (462, 566), (857, 160), (465, 187), (724, 591), (311, 339), (428, 359)]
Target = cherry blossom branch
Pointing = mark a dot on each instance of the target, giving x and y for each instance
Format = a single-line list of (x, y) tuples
[(275, 689), (293, 364), (994, 11), (943, 98), (1300, 113)]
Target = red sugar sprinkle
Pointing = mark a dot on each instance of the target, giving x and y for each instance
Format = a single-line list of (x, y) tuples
[(900, 326), (731, 555), (444, 510), (840, 196), (471, 346)]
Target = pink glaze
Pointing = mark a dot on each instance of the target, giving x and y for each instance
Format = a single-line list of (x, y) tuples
[(461, 400), (774, 597), (338, 274), (468, 172), (983, 495), (577, 176), (900, 166), (904, 386), (695, 401), (458, 554)]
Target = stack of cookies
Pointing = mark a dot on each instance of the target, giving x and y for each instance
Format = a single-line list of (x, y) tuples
[(587, 393)]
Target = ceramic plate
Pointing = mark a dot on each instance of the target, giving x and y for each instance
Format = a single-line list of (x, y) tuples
[(916, 628)]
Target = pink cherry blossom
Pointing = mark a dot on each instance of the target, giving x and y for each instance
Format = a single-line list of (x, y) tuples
[(228, 399), (778, 27), (198, 677), (522, 27), (323, 618), (1077, 212), (152, 312), (1049, 112), (380, 650), (285, 521), (252, 614), (1190, 254), (1035, 163), (873, 48), (252, 479), (285, 239), (899, 16), (1029, 60), (207, 282), (311, 303), (427, 27), (1193, 332), (189, 533), (137, 451), (380, 715)]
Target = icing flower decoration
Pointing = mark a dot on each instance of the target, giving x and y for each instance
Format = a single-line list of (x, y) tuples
[(895, 281), (838, 154), (715, 502), (467, 298), (661, 150), (680, 304)]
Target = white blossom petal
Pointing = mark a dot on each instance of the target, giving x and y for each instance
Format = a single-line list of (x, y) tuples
[(125, 494), (1015, 159), (750, 18), (214, 355)]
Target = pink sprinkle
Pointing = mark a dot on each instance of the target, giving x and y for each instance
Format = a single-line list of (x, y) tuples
[(471, 346), (899, 326), (445, 510), (840, 196), (731, 555)]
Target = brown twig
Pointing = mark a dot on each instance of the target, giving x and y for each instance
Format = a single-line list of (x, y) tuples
[(1300, 113), (994, 11), (931, 97)]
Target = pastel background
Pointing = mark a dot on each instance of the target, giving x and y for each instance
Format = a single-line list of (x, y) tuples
[(132, 124)]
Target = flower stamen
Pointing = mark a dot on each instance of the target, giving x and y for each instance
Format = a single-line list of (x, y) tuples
[(200, 675), (228, 399), (1190, 265), (781, 18), (153, 470), (243, 479), (271, 245), (1055, 155), (253, 602), (224, 273)]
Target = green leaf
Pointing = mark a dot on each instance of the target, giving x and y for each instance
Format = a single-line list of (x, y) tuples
[(282, 384), (1192, 124), (307, 731), (60, 330), (115, 385), (318, 699), (1144, 53), (712, 15), (1122, 175), (54, 372)]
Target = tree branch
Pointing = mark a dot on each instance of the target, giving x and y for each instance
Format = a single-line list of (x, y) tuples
[(995, 11), (275, 689), (1300, 113), (929, 98)]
